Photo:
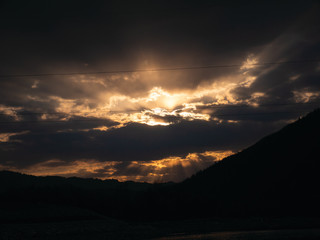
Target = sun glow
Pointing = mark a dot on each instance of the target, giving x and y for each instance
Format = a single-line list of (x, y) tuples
[(156, 105)]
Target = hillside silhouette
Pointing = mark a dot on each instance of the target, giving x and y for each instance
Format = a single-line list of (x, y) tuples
[(277, 176)]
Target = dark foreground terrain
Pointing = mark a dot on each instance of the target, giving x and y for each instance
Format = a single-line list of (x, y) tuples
[(292, 234), (225, 229), (81, 224)]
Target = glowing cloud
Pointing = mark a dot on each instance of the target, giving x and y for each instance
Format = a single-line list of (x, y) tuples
[(250, 63), (173, 168), (10, 111), (5, 137), (305, 96), (158, 106)]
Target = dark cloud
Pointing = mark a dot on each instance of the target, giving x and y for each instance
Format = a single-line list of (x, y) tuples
[(32, 122), (136, 142), (56, 117), (64, 36)]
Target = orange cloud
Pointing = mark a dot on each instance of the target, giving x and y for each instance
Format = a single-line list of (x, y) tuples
[(5, 137), (304, 96), (173, 168)]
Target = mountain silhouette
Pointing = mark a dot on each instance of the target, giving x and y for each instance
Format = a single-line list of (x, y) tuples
[(277, 176)]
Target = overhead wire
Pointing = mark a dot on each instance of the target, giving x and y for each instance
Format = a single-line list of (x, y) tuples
[(154, 69), (147, 70)]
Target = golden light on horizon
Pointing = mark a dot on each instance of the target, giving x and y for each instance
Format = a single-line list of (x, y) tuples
[(161, 170)]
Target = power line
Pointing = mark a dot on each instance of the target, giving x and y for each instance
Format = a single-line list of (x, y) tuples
[(153, 69)]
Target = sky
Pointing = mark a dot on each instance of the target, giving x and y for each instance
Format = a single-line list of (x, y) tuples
[(150, 91)]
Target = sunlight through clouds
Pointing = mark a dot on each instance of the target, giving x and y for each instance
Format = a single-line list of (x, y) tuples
[(174, 168), (160, 106), (110, 98)]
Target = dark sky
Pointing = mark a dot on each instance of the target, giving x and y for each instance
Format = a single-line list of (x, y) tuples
[(157, 125)]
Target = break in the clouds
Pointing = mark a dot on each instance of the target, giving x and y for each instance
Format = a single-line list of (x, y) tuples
[(167, 120)]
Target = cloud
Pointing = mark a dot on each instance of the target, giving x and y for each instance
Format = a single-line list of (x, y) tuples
[(123, 122), (305, 96), (5, 137), (173, 168), (134, 142)]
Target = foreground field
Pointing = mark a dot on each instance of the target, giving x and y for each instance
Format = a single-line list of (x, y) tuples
[(213, 229)]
